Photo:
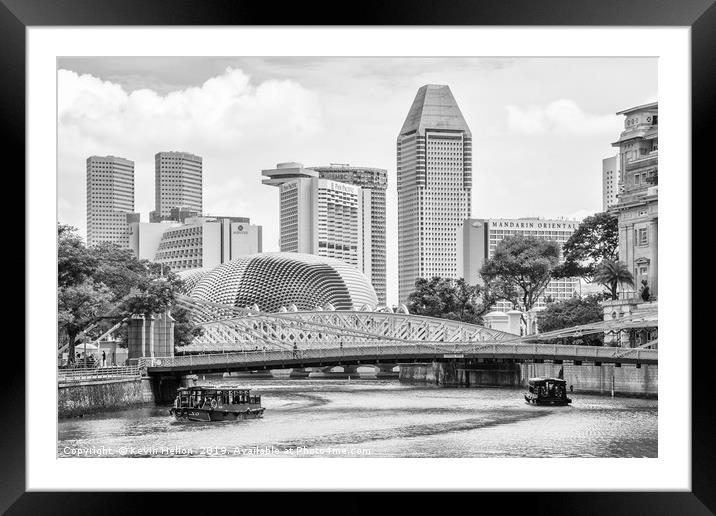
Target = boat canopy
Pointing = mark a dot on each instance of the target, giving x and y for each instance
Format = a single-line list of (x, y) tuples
[(543, 380)]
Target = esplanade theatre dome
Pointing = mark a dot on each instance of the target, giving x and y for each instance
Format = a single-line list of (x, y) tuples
[(276, 280)]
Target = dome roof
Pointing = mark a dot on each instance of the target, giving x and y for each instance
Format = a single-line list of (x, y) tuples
[(275, 280)]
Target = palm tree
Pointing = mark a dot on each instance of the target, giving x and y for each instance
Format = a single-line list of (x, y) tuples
[(611, 274)]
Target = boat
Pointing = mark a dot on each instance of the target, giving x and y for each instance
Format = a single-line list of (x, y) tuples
[(547, 391), (216, 403)]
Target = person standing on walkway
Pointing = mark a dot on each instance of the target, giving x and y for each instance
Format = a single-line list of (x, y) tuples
[(104, 359)]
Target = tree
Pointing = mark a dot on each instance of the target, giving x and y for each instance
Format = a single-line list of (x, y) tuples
[(645, 292), (595, 240), (613, 274), (74, 263), (449, 299), (571, 312), (184, 330), (79, 306), (520, 269), (101, 285)]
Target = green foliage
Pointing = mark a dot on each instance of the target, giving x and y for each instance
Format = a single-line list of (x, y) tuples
[(595, 240), (101, 285), (573, 312), (612, 274), (520, 269), (449, 299)]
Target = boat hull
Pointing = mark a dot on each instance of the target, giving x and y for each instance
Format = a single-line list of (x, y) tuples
[(200, 414), (534, 400)]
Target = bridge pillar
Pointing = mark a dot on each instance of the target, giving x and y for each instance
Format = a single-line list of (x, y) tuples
[(386, 371), (150, 336)]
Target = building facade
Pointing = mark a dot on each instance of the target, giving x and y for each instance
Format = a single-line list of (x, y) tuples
[(375, 182), (611, 181), (177, 183), (478, 239), (199, 242), (110, 199), (638, 208), (320, 216), (434, 181)]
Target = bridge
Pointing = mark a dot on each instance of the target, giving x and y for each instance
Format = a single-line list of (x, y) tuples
[(246, 339)]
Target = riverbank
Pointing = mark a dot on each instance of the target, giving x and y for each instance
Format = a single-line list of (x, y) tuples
[(83, 398), (627, 380)]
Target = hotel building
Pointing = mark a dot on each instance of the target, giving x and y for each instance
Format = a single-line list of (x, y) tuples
[(110, 199), (434, 181), (177, 182), (478, 239), (611, 173), (637, 208), (199, 242), (375, 182), (323, 217)]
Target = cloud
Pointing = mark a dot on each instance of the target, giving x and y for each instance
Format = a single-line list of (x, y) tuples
[(224, 109), (560, 116)]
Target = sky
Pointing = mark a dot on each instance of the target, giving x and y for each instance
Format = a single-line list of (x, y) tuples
[(540, 126)]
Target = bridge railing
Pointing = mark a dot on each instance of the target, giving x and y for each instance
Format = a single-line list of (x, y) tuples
[(430, 350), (97, 374)]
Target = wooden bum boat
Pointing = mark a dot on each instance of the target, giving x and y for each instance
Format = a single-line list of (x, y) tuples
[(547, 391), (212, 403)]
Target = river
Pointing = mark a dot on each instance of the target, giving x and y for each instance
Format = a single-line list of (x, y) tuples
[(376, 418)]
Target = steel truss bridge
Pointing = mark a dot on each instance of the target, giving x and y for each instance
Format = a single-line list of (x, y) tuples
[(237, 339)]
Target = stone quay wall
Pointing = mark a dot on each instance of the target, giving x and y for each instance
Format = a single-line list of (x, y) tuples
[(627, 380), (77, 399)]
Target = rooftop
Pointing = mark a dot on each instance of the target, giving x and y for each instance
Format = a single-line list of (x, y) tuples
[(434, 107)]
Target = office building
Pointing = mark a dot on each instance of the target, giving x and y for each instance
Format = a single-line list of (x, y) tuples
[(177, 183), (199, 242), (110, 199), (434, 181), (375, 181), (322, 217), (478, 239), (611, 173), (638, 208)]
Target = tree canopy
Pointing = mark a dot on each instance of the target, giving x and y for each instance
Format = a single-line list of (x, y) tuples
[(449, 299), (613, 274), (571, 312), (595, 240), (101, 285), (520, 269)]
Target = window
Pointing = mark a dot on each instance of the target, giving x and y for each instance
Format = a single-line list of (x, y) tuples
[(642, 237)]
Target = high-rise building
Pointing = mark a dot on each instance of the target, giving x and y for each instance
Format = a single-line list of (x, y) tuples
[(177, 183), (199, 242), (322, 217), (611, 173), (478, 239), (110, 199), (434, 180), (638, 201), (375, 181)]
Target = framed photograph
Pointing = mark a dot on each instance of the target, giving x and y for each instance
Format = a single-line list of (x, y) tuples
[(410, 250)]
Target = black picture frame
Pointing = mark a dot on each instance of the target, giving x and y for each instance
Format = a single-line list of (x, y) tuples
[(700, 15)]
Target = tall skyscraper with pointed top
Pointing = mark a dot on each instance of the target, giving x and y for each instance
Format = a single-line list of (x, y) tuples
[(434, 186)]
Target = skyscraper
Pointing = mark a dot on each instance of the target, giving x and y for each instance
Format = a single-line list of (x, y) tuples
[(434, 165), (375, 182), (177, 183), (320, 216), (110, 199), (611, 173)]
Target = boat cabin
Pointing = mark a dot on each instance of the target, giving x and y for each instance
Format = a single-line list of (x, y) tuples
[(216, 397), (547, 391)]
